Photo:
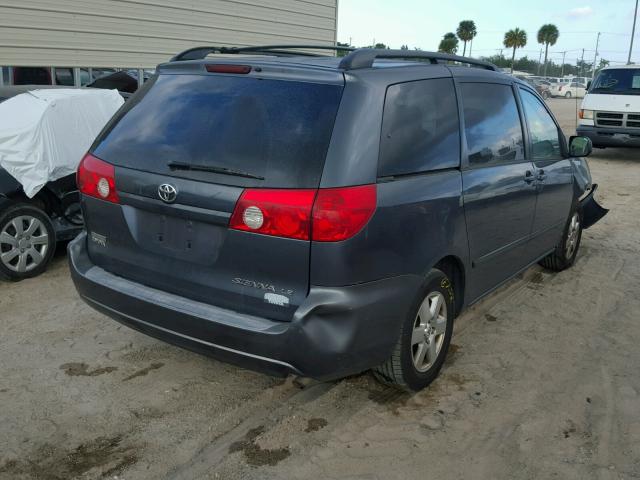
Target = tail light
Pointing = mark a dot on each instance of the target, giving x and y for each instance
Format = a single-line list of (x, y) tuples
[(340, 213), (97, 179), (281, 213), (324, 215)]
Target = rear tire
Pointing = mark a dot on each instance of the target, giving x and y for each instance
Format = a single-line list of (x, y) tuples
[(424, 337), (27, 241), (567, 95), (567, 250)]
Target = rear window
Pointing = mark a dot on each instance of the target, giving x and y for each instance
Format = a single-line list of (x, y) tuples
[(420, 128), (274, 133), (624, 81)]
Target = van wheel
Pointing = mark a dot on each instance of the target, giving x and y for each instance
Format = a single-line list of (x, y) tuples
[(424, 338), (27, 241), (567, 250), (567, 95)]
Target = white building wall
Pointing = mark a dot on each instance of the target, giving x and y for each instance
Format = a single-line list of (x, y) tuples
[(143, 33)]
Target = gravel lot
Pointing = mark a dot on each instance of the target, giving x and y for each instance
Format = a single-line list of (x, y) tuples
[(542, 382)]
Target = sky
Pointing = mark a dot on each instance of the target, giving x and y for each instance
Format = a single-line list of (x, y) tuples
[(422, 23)]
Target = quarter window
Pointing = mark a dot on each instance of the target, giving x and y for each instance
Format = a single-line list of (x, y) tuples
[(545, 136), (492, 124), (420, 128)]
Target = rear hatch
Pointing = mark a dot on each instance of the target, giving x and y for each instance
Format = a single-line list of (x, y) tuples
[(184, 150)]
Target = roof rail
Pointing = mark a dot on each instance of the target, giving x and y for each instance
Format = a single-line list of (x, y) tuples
[(364, 58), (198, 53)]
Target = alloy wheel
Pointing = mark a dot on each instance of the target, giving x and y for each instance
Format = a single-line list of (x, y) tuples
[(24, 243), (429, 330), (572, 236)]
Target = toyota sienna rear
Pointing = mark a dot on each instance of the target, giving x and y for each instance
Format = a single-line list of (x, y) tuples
[(323, 215)]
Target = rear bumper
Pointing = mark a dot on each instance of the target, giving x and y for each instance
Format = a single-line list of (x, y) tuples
[(334, 333), (610, 137)]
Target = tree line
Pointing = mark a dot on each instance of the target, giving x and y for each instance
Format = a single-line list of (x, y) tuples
[(515, 38)]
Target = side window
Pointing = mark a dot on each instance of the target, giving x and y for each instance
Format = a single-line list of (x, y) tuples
[(420, 128), (492, 124), (545, 136)]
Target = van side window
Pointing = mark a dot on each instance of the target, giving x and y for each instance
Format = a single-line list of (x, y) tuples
[(545, 136), (420, 128), (492, 124)]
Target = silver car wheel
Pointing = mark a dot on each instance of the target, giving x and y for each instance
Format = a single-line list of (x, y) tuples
[(429, 330), (572, 236), (24, 243)]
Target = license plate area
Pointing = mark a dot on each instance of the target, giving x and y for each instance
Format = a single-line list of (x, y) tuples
[(176, 237)]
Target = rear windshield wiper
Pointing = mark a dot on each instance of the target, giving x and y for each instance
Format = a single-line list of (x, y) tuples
[(212, 169)]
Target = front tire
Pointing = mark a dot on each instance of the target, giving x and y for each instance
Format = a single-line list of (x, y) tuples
[(567, 250), (567, 95), (27, 241), (424, 337)]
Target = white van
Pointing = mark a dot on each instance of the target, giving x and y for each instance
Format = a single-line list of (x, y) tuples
[(610, 113)]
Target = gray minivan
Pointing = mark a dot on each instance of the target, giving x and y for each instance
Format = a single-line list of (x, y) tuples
[(324, 215)]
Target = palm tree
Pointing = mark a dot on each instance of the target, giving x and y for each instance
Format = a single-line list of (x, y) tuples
[(547, 35), (515, 38), (466, 31), (449, 43)]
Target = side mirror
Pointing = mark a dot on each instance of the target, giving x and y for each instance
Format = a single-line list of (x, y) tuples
[(588, 84), (580, 146)]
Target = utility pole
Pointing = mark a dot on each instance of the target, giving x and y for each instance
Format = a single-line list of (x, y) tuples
[(582, 64), (593, 72), (633, 32), (539, 60), (563, 55), (470, 47)]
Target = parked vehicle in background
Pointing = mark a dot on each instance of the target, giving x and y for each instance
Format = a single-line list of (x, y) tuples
[(568, 90), (542, 87), (610, 112), (552, 80), (31, 76), (581, 80), (39, 199), (340, 226), (64, 75)]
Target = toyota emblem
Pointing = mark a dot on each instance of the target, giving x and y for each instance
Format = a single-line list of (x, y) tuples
[(167, 193)]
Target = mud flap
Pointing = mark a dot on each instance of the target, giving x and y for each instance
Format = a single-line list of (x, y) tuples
[(592, 212)]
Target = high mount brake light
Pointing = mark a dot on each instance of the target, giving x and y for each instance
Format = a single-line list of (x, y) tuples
[(324, 215), (222, 68), (97, 179)]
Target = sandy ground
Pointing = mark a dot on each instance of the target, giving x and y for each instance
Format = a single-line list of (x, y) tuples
[(541, 382)]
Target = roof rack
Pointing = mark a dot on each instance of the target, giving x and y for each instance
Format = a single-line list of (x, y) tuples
[(356, 59), (198, 53), (364, 58)]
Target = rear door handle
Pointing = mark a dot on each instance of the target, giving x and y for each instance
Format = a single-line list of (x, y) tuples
[(528, 176)]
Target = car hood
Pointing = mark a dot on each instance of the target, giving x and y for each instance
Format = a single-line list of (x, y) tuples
[(612, 103)]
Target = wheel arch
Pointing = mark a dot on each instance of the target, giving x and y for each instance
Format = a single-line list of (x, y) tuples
[(453, 268), (42, 200)]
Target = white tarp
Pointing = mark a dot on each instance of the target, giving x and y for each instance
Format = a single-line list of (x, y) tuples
[(45, 133)]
